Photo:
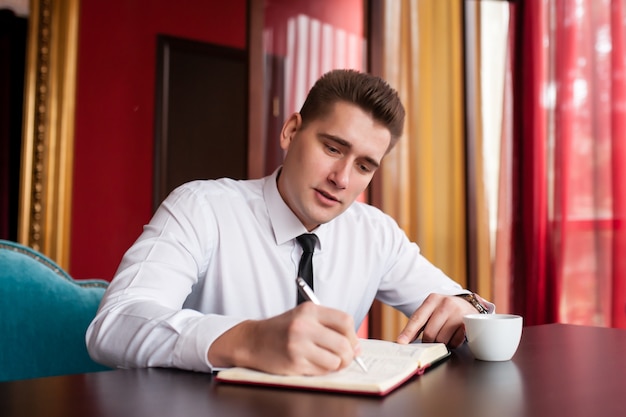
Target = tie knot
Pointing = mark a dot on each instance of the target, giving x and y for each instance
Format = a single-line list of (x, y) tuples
[(307, 241)]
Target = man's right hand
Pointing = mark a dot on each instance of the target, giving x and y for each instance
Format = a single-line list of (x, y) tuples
[(307, 340)]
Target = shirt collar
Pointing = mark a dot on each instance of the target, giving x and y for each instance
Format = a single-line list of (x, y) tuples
[(285, 223)]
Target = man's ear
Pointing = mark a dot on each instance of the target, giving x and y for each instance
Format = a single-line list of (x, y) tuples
[(289, 130)]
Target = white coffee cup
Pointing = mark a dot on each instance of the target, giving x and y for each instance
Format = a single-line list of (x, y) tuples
[(493, 337)]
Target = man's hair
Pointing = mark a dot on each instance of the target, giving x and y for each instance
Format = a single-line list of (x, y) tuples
[(370, 93)]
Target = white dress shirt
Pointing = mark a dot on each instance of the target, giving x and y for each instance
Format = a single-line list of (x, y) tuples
[(218, 252)]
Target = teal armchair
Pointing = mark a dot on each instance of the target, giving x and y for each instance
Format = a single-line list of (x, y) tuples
[(44, 314)]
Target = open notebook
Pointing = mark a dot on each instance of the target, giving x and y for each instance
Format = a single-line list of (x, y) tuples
[(389, 366)]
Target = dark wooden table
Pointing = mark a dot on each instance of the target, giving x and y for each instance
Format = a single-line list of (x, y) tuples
[(559, 370)]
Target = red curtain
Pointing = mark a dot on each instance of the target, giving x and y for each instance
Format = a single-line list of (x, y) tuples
[(531, 293), (618, 161), (569, 132)]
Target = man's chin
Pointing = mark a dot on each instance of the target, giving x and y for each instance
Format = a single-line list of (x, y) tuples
[(327, 217)]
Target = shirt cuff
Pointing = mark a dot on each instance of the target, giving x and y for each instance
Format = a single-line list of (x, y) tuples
[(193, 349)]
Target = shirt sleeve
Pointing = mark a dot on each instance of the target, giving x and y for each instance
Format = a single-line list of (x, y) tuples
[(410, 277), (141, 320)]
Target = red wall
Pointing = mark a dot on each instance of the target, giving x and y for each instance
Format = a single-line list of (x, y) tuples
[(112, 195), (113, 158)]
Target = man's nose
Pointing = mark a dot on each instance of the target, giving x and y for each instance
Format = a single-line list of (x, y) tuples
[(340, 175)]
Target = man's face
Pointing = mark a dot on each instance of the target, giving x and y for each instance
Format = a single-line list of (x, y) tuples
[(329, 162)]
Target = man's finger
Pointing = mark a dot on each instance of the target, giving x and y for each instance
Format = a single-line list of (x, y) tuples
[(416, 324)]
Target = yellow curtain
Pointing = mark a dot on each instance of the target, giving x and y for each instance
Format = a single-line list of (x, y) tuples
[(423, 177)]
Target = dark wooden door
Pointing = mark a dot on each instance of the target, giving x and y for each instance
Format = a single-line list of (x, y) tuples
[(201, 113)]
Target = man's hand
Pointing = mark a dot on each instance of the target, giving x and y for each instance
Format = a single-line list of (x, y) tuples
[(441, 318), (307, 340)]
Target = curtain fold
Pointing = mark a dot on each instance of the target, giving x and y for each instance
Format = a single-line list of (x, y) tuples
[(532, 294), (618, 161), (479, 248), (489, 40), (503, 251), (423, 180)]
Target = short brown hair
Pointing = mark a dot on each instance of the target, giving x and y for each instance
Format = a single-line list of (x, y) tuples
[(372, 94)]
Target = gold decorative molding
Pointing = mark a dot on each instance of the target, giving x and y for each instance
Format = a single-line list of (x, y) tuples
[(48, 138)]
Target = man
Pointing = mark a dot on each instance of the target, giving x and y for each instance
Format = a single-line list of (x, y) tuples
[(211, 280)]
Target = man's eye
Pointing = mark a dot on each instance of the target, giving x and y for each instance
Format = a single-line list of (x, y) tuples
[(364, 168), (332, 149)]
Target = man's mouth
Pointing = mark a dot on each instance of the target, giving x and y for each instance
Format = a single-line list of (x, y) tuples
[(327, 195)]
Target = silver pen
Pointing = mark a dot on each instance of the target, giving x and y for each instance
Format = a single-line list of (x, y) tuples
[(309, 295)]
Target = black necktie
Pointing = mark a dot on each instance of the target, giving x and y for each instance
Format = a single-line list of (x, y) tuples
[(305, 270)]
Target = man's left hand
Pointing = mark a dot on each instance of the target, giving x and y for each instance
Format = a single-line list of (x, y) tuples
[(438, 319)]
